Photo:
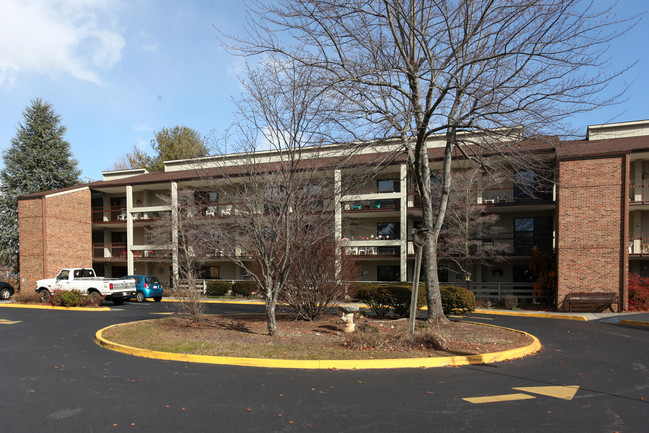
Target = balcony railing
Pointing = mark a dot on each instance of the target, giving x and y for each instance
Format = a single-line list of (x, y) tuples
[(639, 192), (499, 196), (114, 251), (371, 205), (117, 214), (505, 244), (117, 251), (368, 251), (638, 244)]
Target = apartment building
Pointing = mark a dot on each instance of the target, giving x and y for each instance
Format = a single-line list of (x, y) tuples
[(594, 220)]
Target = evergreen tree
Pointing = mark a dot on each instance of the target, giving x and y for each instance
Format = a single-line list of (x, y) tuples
[(38, 159), (179, 142)]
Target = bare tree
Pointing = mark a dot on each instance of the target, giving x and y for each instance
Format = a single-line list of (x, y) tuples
[(475, 76), (183, 231), (278, 191), (318, 281), (471, 234)]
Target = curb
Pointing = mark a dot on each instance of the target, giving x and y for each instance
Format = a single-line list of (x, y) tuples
[(526, 314), (633, 323), (333, 364), (51, 307)]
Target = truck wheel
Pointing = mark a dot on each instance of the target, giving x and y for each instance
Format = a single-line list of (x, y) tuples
[(46, 296), (5, 293), (95, 297), (140, 296), (157, 298), (118, 301)]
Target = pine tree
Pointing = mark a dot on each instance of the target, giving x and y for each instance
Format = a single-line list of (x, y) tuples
[(38, 159)]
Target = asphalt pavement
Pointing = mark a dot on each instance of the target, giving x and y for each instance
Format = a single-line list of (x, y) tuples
[(589, 377)]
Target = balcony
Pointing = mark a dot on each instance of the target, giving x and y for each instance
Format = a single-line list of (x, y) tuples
[(639, 192), (372, 251), (638, 244), (116, 251), (117, 215), (362, 206), (500, 197), (504, 244)]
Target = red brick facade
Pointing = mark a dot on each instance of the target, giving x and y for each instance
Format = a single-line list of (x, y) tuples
[(55, 232), (590, 226)]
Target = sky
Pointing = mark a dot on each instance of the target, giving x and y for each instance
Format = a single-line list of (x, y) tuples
[(116, 71)]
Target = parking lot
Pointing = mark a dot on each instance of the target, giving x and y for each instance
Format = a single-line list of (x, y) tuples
[(57, 379)]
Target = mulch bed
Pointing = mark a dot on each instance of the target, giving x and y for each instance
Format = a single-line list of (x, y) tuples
[(247, 336)]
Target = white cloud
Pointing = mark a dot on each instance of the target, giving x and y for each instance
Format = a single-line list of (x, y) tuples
[(146, 42), (58, 37)]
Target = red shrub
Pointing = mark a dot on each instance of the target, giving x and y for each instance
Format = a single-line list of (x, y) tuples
[(638, 292)]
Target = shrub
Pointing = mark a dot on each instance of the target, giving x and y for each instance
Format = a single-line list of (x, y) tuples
[(68, 298), (638, 292), (218, 288), (397, 296), (244, 288), (376, 297), (401, 295), (457, 300), (27, 297)]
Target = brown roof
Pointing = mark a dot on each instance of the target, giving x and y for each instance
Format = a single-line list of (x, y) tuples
[(565, 150)]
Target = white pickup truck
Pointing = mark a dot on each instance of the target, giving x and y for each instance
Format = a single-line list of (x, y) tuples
[(86, 281)]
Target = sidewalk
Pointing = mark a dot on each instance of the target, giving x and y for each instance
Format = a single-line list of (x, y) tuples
[(624, 318)]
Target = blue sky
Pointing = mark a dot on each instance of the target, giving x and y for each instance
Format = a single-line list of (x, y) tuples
[(116, 71)]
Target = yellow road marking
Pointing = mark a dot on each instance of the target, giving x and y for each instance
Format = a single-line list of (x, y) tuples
[(163, 314), (498, 398), (9, 322), (562, 392)]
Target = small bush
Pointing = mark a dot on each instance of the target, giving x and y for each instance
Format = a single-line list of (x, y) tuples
[(457, 300), (218, 288), (381, 299), (401, 295), (27, 297), (68, 298), (376, 297), (244, 288), (638, 292)]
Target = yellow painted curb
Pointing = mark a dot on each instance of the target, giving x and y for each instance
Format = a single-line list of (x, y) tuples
[(633, 323), (526, 314), (329, 364), (51, 307), (221, 301)]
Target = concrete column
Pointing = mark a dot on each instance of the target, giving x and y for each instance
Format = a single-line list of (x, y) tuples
[(129, 230), (174, 232), (338, 218), (403, 212)]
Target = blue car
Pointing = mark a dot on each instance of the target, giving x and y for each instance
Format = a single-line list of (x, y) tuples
[(147, 287)]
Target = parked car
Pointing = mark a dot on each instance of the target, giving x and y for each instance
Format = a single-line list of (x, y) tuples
[(146, 287), (6, 291), (86, 281)]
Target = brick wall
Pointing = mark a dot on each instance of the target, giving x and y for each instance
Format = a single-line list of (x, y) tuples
[(589, 226), (55, 233), (30, 232)]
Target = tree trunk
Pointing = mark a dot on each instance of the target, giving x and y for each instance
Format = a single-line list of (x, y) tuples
[(433, 295), (271, 321)]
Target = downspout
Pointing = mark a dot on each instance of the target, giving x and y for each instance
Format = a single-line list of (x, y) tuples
[(624, 257)]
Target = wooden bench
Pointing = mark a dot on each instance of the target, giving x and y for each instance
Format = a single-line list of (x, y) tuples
[(600, 301)]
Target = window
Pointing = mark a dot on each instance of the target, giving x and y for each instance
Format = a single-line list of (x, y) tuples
[(530, 233), (210, 272), (388, 230), (522, 274), (387, 273), (387, 185)]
